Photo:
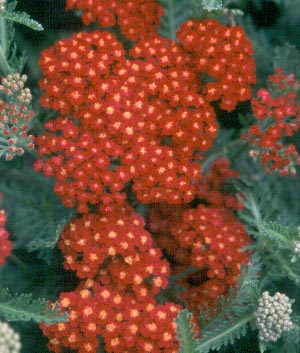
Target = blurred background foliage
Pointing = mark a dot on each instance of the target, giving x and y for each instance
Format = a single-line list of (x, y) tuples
[(273, 26)]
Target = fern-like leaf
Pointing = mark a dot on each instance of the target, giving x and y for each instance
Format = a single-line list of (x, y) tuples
[(225, 333), (35, 215), (281, 235), (186, 332), (22, 18), (175, 13), (24, 308), (288, 58), (230, 319)]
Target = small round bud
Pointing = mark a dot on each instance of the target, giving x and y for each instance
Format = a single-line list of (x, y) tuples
[(9, 339)]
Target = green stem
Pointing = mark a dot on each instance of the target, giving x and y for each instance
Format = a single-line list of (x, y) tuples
[(255, 211), (183, 274), (3, 35), (4, 65), (171, 21)]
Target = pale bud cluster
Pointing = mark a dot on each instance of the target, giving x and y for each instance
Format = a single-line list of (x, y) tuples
[(15, 115), (2, 5), (297, 247), (296, 251), (9, 339), (14, 85), (273, 316)]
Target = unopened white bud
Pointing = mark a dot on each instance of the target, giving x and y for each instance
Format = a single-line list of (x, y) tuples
[(273, 316), (9, 339)]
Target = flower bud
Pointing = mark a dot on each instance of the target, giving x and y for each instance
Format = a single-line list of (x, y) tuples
[(273, 316), (9, 339)]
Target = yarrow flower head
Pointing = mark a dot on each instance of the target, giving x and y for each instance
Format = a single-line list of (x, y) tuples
[(121, 274), (277, 110), (273, 316), (9, 339), (15, 116), (128, 15), (125, 322), (208, 238), (214, 188), (128, 112), (223, 54)]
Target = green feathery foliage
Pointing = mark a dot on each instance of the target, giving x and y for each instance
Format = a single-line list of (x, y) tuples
[(280, 246), (231, 318), (260, 203), (175, 13), (9, 60), (36, 217), (24, 308), (274, 241), (280, 235), (186, 332), (287, 57), (20, 17)]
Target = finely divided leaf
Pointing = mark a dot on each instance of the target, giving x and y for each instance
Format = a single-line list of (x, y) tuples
[(22, 18), (186, 332), (35, 214), (281, 235), (234, 314), (225, 333), (175, 13), (288, 58), (24, 308)]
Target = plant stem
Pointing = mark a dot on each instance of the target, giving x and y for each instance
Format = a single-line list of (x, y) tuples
[(4, 65), (183, 274), (3, 35)]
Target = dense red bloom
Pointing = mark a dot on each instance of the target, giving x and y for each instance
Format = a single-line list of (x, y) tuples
[(117, 244), (207, 238), (223, 54), (144, 110), (137, 19), (278, 117), (126, 323), (82, 164), (213, 188), (5, 243), (76, 69)]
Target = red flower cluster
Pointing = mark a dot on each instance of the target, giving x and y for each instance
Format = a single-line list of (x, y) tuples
[(137, 19), (139, 121), (207, 238), (117, 301), (223, 54), (5, 244), (131, 112), (214, 190), (127, 324), (278, 114)]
